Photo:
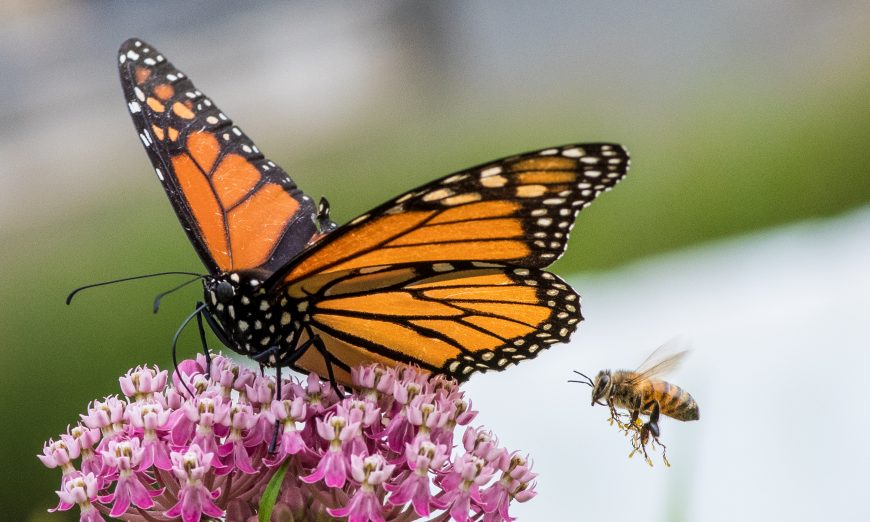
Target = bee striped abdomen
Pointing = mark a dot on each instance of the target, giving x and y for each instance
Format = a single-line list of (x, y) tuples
[(674, 401)]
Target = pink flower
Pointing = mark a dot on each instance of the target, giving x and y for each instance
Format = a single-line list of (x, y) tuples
[(365, 505), (233, 451), (160, 453), (424, 414), (260, 395), (333, 464), (288, 414), (106, 415), (123, 456), (86, 438), (515, 483), (194, 499), (142, 382), (150, 417), (318, 395), (374, 380), (462, 485), (421, 455), (81, 490), (61, 453)]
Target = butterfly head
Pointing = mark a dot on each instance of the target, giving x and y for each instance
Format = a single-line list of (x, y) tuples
[(224, 292), (238, 290), (248, 315)]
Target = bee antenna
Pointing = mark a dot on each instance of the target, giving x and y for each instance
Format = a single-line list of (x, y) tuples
[(587, 382)]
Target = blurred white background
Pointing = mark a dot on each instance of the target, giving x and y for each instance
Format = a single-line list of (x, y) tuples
[(780, 347)]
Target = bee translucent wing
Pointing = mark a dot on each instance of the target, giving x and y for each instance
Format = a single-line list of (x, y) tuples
[(664, 359)]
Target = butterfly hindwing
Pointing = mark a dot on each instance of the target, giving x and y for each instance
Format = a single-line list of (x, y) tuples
[(240, 210), (448, 318), (516, 211)]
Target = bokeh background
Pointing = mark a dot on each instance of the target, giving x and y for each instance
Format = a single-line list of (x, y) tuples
[(743, 225)]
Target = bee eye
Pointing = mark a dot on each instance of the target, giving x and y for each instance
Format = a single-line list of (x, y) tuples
[(224, 292)]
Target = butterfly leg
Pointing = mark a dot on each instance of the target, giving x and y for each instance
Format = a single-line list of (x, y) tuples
[(199, 308), (272, 355), (218, 330), (327, 358), (278, 396), (205, 349)]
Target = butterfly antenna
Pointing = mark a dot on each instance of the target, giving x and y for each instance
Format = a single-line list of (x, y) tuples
[(181, 328), (72, 294), (587, 382), (161, 295)]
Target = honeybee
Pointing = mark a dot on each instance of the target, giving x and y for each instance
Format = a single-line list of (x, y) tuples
[(642, 392)]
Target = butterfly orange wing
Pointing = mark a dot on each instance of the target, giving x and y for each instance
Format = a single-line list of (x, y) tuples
[(450, 318), (448, 276), (516, 211), (240, 210)]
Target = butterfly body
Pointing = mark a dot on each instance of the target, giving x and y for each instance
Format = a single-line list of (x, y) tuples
[(250, 320), (448, 276)]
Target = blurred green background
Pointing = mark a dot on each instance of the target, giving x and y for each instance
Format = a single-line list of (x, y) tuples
[(738, 117)]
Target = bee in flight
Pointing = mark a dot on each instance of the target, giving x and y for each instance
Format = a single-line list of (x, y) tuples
[(643, 392)]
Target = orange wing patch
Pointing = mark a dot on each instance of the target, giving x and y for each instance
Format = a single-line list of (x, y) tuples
[(468, 230), (488, 209), (256, 225), (234, 179), (392, 336), (203, 147), (367, 238), (206, 210), (390, 303), (461, 334)]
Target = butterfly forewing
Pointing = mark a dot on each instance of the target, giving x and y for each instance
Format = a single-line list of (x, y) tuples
[(516, 211), (240, 210)]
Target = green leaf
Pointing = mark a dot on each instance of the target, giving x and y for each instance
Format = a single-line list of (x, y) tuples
[(270, 494)]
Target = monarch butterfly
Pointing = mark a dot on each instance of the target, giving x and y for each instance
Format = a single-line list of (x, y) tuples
[(447, 276)]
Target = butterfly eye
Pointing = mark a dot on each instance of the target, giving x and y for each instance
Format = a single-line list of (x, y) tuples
[(225, 292)]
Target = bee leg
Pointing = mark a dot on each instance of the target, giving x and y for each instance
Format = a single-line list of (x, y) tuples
[(653, 424), (635, 413)]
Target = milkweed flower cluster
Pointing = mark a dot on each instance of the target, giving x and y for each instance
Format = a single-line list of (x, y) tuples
[(389, 451)]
